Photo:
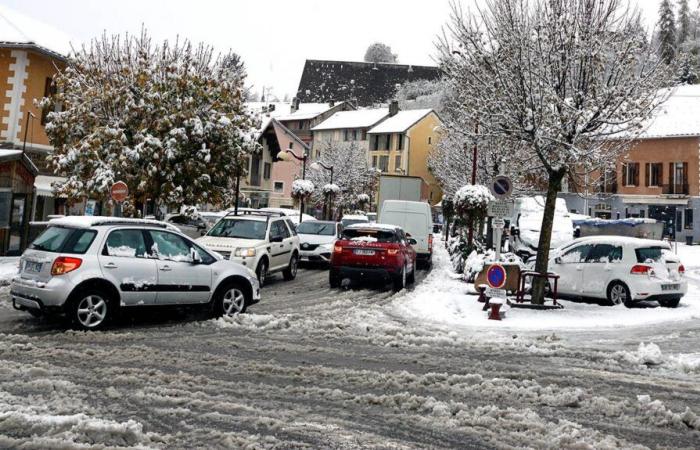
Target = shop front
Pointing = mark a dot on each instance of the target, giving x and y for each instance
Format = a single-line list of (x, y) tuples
[(17, 176)]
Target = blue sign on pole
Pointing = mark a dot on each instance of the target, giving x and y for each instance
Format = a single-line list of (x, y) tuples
[(496, 276)]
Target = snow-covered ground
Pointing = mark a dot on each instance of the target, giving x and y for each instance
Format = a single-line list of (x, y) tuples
[(8, 269), (443, 298)]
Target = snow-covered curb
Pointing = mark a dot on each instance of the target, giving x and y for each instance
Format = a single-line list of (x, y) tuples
[(8, 269), (443, 299)]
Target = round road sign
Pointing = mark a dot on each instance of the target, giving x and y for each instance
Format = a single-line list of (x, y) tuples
[(501, 186), (496, 276), (119, 191)]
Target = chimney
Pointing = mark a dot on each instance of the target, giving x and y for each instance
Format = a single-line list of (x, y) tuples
[(393, 108), (295, 105)]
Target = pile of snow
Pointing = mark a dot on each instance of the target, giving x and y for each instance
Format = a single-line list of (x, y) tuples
[(8, 269), (302, 188), (651, 355)]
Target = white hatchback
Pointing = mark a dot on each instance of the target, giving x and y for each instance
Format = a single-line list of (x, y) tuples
[(621, 270)]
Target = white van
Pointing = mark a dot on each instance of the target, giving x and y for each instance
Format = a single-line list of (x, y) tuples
[(416, 219)]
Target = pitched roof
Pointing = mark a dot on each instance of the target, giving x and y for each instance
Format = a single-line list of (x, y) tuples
[(363, 118), (678, 116), (307, 111), (401, 121), (365, 83), (20, 31)]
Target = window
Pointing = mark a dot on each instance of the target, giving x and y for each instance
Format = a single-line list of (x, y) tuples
[(291, 145), (688, 219), (430, 140), (64, 240), (279, 230), (239, 228), (387, 141), (630, 174), (383, 163), (346, 136), (291, 226), (125, 243), (363, 135), (267, 170), (173, 247), (576, 254), (654, 254), (604, 253), (653, 172), (399, 144), (397, 163), (359, 234), (279, 186), (375, 142), (375, 158), (49, 91), (678, 178)]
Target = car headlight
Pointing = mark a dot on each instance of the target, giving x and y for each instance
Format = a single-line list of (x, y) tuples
[(242, 252)]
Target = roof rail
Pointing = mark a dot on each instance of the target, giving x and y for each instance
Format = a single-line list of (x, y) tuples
[(130, 222), (267, 214)]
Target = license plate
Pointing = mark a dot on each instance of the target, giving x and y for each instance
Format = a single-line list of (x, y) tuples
[(31, 266), (670, 287), (364, 252)]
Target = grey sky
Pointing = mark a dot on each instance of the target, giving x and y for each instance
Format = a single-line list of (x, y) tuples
[(273, 36)]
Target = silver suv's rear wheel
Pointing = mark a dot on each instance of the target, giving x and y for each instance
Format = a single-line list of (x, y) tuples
[(90, 310)]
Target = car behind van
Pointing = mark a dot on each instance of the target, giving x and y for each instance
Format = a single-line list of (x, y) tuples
[(416, 219)]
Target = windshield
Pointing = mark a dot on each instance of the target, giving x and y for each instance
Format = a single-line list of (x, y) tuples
[(238, 228), (654, 254), (369, 235), (347, 222), (319, 228)]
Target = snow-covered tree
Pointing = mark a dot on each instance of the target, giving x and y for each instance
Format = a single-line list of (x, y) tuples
[(421, 94), (667, 32), (167, 119), (380, 53), (471, 203), (683, 21), (553, 114), (351, 174)]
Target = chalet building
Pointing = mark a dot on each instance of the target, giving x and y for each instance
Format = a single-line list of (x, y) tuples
[(660, 176), (362, 83), (346, 127)]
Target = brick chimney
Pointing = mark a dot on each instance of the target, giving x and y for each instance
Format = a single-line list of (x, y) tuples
[(393, 108), (295, 105)]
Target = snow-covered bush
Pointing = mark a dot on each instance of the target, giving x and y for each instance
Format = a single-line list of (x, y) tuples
[(166, 118), (302, 189), (472, 199), (331, 189), (362, 200)]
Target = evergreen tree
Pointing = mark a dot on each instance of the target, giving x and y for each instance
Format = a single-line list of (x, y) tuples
[(683, 21), (667, 32)]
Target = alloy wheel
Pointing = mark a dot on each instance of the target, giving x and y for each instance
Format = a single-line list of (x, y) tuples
[(233, 302), (92, 311)]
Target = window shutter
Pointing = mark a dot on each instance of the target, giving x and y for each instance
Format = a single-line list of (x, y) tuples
[(647, 174), (624, 174), (685, 173), (660, 175), (670, 174), (636, 174)]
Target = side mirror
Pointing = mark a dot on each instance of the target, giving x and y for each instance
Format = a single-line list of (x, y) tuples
[(557, 260), (412, 241), (194, 256)]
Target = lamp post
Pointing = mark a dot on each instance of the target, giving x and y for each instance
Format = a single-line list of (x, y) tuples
[(26, 128), (284, 156), (329, 206)]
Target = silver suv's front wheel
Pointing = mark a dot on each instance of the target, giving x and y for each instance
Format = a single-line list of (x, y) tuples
[(233, 298), (90, 310)]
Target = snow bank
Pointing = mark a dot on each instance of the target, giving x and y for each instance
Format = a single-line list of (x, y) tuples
[(8, 269), (445, 300)]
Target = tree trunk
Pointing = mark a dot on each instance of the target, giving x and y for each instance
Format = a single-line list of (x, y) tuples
[(541, 264)]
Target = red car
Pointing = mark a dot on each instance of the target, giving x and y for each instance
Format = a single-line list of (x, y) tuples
[(373, 252)]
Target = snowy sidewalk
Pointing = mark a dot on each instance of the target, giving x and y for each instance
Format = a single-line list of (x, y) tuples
[(8, 269), (443, 299)]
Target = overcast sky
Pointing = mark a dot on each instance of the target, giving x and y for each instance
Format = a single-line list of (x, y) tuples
[(274, 37)]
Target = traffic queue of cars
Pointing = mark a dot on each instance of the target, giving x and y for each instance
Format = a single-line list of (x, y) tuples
[(88, 268)]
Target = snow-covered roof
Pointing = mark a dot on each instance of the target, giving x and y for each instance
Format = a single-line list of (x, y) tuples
[(16, 29), (13, 155), (678, 116), (401, 121), (307, 111), (43, 184), (91, 221), (362, 118), (9, 153), (372, 226)]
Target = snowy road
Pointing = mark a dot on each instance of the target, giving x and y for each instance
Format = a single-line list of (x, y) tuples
[(311, 367)]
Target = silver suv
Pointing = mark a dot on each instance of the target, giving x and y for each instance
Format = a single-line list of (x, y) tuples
[(89, 267)]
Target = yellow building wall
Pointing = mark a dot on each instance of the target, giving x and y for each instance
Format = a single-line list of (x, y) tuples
[(5, 73), (40, 68), (418, 150)]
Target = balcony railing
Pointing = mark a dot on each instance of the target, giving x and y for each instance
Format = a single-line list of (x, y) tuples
[(675, 189)]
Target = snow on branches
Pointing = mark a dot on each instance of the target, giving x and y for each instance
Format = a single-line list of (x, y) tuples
[(331, 189), (167, 119), (302, 189), (472, 199)]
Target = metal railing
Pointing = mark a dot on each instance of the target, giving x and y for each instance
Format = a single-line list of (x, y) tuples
[(675, 189)]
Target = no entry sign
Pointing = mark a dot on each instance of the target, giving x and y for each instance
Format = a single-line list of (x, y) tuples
[(119, 191), (496, 276)]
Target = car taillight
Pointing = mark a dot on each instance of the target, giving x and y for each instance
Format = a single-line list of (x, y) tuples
[(65, 264), (392, 251), (640, 269), (338, 249), (681, 269), (430, 242)]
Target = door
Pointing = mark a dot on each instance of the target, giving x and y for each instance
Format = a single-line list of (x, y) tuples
[(570, 266), (125, 262), (665, 214), (281, 250), (601, 263), (180, 279), (17, 224)]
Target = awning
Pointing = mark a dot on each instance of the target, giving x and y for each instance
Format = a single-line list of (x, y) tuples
[(43, 184), (653, 200)]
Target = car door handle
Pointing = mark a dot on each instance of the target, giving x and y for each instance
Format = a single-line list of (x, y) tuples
[(110, 265), (165, 268)]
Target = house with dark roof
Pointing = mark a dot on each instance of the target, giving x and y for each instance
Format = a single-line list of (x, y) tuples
[(362, 83)]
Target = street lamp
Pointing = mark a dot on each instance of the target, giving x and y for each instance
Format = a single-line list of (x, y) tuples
[(285, 155), (329, 207), (26, 128)]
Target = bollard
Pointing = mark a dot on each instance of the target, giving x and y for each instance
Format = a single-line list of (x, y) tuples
[(482, 293), (495, 313)]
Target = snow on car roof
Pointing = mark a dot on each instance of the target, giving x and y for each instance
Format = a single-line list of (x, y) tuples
[(401, 121), (373, 226), (619, 240), (354, 217), (362, 118), (92, 221)]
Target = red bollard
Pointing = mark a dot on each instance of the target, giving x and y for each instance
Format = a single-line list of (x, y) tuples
[(495, 313)]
